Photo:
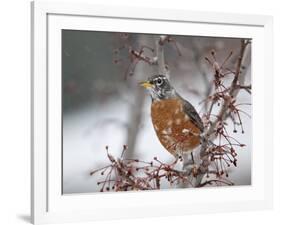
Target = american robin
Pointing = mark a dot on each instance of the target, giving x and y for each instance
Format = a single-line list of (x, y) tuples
[(175, 121)]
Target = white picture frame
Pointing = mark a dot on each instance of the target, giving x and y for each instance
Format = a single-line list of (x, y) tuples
[(48, 205)]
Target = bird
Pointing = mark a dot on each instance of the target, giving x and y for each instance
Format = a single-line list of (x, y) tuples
[(177, 124)]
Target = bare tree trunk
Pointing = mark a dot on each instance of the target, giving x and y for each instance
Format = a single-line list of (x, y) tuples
[(161, 57), (141, 72), (135, 119)]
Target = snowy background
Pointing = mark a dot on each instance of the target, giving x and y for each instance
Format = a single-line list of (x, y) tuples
[(102, 108)]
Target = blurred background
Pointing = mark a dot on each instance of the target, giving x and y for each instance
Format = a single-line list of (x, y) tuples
[(103, 105)]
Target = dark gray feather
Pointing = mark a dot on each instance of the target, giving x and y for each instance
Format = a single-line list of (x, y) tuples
[(193, 115)]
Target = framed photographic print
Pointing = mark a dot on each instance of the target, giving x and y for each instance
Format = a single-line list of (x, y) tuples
[(142, 116)]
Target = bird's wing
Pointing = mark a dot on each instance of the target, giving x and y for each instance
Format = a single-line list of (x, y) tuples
[(193, 115)]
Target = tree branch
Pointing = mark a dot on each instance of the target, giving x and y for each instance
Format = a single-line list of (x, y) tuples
[(224, 111)]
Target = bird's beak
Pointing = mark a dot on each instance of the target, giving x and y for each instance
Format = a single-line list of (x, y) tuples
[(146, 84)]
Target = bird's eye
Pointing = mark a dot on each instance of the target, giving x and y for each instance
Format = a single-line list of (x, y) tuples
[(159, 81)]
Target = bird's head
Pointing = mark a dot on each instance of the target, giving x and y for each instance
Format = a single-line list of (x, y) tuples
[(159, 87)]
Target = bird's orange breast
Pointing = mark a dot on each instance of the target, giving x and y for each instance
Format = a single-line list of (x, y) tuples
[(176, 132)]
